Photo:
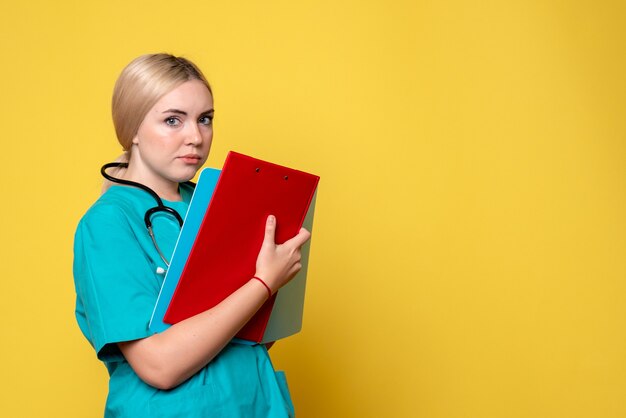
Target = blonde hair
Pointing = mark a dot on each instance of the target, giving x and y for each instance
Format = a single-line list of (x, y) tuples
[(141, 84)]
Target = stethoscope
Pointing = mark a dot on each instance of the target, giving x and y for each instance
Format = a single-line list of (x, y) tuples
[(160, 207)]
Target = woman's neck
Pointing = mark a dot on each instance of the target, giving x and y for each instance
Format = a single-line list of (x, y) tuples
[(164, 188)]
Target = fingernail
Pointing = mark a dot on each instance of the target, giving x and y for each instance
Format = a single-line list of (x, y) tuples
[(271, 219)]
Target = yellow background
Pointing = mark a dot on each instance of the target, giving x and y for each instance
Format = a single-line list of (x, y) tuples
[(468, 256)]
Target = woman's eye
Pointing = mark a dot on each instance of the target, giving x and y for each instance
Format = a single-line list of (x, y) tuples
[(205, 120), (172, 121)]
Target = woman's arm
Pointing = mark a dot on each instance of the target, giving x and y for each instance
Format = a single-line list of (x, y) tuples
[(167, 359)]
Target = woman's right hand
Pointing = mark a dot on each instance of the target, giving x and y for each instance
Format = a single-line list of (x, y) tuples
[(277, 264)]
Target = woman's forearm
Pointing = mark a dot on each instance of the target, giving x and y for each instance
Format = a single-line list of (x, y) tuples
[(167, 359)]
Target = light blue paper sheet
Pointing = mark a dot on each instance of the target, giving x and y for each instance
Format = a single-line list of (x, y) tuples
[(197, 208)]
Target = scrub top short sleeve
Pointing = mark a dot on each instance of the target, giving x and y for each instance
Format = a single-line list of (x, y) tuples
[(115, 298)]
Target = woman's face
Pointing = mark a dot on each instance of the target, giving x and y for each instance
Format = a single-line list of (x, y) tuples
[(174, 139)]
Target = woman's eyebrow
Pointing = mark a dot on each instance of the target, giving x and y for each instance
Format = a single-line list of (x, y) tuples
[(182, 112), (177, 111)]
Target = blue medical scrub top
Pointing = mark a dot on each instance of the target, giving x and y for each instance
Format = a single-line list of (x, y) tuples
[(117, 285)]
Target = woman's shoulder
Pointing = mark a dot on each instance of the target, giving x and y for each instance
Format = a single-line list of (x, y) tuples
[(116, 202)]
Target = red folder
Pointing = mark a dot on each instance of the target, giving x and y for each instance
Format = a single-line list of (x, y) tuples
[(223, 257)]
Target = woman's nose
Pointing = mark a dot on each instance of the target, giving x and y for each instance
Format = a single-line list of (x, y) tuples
[(194, 136)]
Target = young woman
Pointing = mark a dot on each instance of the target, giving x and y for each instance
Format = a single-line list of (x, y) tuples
[(163, 112)]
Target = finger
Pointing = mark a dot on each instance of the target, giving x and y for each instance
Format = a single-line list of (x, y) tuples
[(294, 269), (302, 237), (270, 230)]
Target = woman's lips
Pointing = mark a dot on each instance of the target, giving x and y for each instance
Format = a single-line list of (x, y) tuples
[(190, 158)]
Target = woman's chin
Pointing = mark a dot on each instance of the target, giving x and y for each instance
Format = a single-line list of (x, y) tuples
[(186, 175)]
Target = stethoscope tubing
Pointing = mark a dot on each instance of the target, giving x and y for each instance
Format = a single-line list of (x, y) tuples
[(147, 216)]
